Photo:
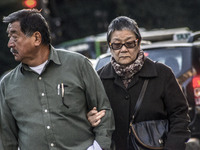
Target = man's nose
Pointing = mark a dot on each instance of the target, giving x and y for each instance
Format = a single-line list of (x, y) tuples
[(10, 43)]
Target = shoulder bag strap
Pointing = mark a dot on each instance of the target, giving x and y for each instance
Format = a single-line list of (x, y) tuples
[(140, 98), (137, 106)]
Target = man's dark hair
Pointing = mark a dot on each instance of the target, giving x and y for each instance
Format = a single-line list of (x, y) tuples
[(30, 21), (123, 23)]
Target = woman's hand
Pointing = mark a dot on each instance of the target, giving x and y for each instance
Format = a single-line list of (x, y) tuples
[(94, 117)]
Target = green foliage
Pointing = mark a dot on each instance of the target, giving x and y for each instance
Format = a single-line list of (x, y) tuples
[(72, 19), (83, 18)]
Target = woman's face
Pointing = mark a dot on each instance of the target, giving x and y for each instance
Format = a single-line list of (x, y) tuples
[(127, 53)]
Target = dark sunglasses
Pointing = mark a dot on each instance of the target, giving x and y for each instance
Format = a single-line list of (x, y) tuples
[(117, 46)]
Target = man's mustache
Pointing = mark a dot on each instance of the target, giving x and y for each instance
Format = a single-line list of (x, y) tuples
[(13, 51)]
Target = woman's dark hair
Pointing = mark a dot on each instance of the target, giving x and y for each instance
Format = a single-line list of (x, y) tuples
[(123, 23), (30, 21)]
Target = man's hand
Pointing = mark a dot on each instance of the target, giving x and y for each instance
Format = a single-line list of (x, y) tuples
[(94, 117)]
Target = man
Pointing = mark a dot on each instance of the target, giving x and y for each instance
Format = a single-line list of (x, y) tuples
[(45, 99)]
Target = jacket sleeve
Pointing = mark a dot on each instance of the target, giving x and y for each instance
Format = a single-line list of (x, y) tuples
[(177, 110), (96, 97), (8, 127)]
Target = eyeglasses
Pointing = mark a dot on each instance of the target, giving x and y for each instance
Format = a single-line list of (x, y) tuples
[(117, 46)]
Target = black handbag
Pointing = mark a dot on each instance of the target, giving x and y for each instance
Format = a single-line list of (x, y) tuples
[(147, 135)]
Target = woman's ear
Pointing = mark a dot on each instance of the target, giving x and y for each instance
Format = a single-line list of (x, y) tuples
[(37, 38)]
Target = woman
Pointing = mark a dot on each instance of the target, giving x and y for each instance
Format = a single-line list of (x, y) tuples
[(123, 78)]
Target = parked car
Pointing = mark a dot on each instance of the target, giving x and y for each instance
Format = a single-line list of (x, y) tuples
[(183, 57)]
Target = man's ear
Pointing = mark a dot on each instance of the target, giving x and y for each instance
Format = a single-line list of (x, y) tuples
[(37, 38)]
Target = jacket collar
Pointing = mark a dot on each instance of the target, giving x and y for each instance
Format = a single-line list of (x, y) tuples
[(148, 70)]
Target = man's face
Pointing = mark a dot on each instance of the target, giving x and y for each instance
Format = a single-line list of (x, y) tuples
[(21, 46)]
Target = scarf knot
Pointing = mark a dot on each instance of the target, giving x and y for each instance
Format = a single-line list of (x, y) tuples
[(126, 72)]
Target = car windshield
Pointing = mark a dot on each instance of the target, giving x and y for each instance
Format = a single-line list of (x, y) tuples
[(177, 58), (102, 62)]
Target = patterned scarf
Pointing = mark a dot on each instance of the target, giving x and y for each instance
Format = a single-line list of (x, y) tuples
[(126, 72)]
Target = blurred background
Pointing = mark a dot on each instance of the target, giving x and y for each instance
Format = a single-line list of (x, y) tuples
[(75, 21)]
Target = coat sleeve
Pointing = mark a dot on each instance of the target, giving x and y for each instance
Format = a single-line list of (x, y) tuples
[(8, 127), (96, 97), (177, 110)]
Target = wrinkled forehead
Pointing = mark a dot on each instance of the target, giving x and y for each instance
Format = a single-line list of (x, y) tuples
[(122, 35), (13, 27)]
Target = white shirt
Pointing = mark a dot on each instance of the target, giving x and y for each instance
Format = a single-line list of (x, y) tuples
[(39, 68), (95, 146)]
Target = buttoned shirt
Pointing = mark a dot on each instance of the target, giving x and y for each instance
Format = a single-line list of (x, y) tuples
[(48, 111)]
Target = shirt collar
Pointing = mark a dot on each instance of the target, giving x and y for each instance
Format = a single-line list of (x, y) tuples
[(53, 57)]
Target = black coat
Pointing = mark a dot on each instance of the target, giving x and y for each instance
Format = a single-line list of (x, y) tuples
[(163, 99)]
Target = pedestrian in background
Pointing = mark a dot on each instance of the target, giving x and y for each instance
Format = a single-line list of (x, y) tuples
[(123, 78), (44, 101)]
